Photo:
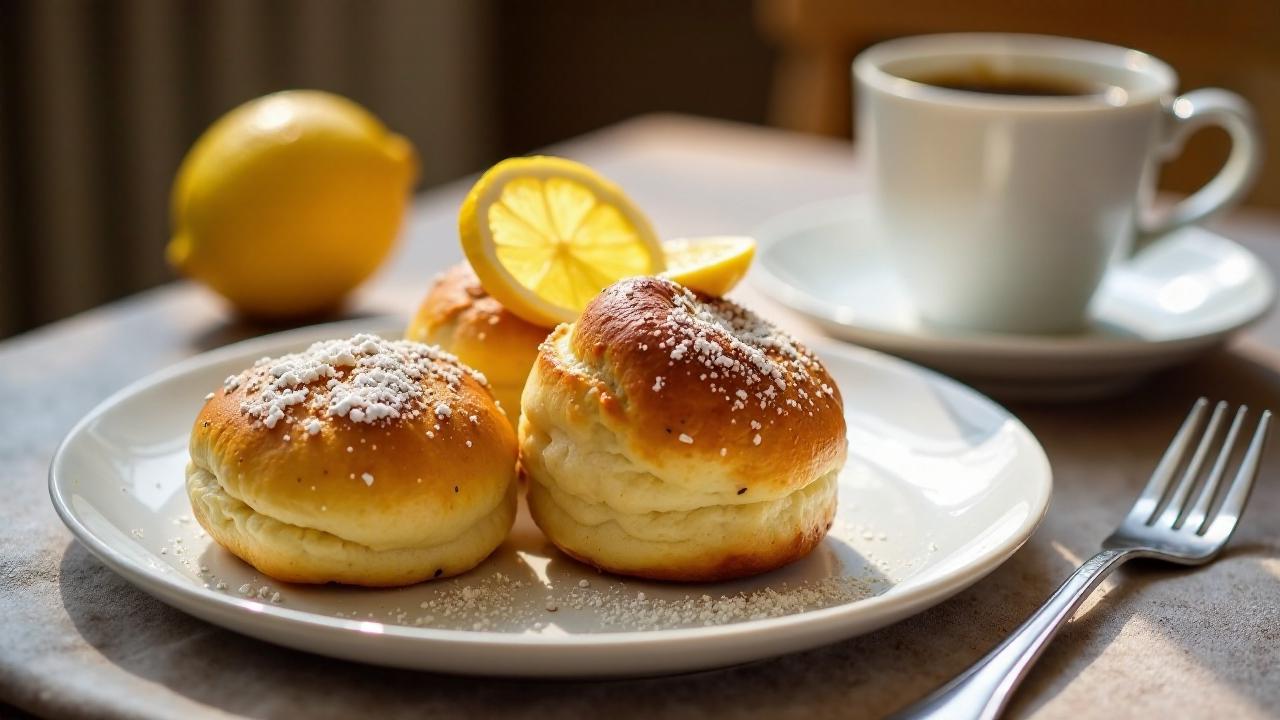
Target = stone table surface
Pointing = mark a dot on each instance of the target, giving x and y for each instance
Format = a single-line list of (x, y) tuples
[(78, 641)]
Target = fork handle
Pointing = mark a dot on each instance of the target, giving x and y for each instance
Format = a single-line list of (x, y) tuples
[(982, 691)]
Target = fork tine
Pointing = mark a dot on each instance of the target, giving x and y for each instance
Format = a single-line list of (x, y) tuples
[(1183, 487), (1149, 500), (1200, 510), (1225, 522)]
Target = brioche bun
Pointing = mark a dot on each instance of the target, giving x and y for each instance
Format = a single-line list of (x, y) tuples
[(673, 436), (360, 461), (460, 317)]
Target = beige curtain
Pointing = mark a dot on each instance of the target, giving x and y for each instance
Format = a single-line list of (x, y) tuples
[(99, 100)]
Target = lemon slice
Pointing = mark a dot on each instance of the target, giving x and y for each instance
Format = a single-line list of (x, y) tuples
[(545, 235), (713, 265)]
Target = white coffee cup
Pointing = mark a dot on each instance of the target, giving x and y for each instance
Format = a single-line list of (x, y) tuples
[(1002, 212)]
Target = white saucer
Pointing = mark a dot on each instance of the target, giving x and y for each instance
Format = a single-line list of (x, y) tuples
[(942, 485), (1179, 297)]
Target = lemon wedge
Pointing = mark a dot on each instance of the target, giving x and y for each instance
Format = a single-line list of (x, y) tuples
[(545, 235), (713, 265)]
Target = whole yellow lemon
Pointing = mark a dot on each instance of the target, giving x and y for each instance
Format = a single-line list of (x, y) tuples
[(289, 201)]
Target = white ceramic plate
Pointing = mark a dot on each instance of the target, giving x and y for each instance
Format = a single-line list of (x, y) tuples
[(1179, 297), (942, 486)]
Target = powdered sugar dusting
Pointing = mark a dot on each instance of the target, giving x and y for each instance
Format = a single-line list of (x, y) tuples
[(756, 368), (504, 603), (618, 609), (365, 379)]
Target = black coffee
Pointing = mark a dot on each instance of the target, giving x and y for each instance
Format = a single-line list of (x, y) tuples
[(983, 80)]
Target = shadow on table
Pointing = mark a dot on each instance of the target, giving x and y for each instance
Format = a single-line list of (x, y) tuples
[(866, 676), (1174, 615), (1141, 594), (237, 674)]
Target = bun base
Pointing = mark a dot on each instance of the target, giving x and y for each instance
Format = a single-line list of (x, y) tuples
[(305, 555), (712, 543)]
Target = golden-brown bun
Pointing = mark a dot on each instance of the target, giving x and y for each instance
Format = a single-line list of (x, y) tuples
[(460, 317), (361, 461), (677, 437)]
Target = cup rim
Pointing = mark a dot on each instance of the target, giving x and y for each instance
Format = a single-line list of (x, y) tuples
[(868, 69)]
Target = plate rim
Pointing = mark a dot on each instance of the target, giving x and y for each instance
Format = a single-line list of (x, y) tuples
[(892, 606), (973, 345)]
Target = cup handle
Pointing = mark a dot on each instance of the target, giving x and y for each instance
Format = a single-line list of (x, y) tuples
[(1184, 116)]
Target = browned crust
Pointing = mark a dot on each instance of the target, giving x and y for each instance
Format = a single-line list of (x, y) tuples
[(615, 340), (403, 452), (461, 317)]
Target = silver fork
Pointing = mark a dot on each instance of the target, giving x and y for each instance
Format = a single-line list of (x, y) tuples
[(1163, 524)]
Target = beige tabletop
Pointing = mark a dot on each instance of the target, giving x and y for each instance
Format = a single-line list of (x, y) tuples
[(78, 641)]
